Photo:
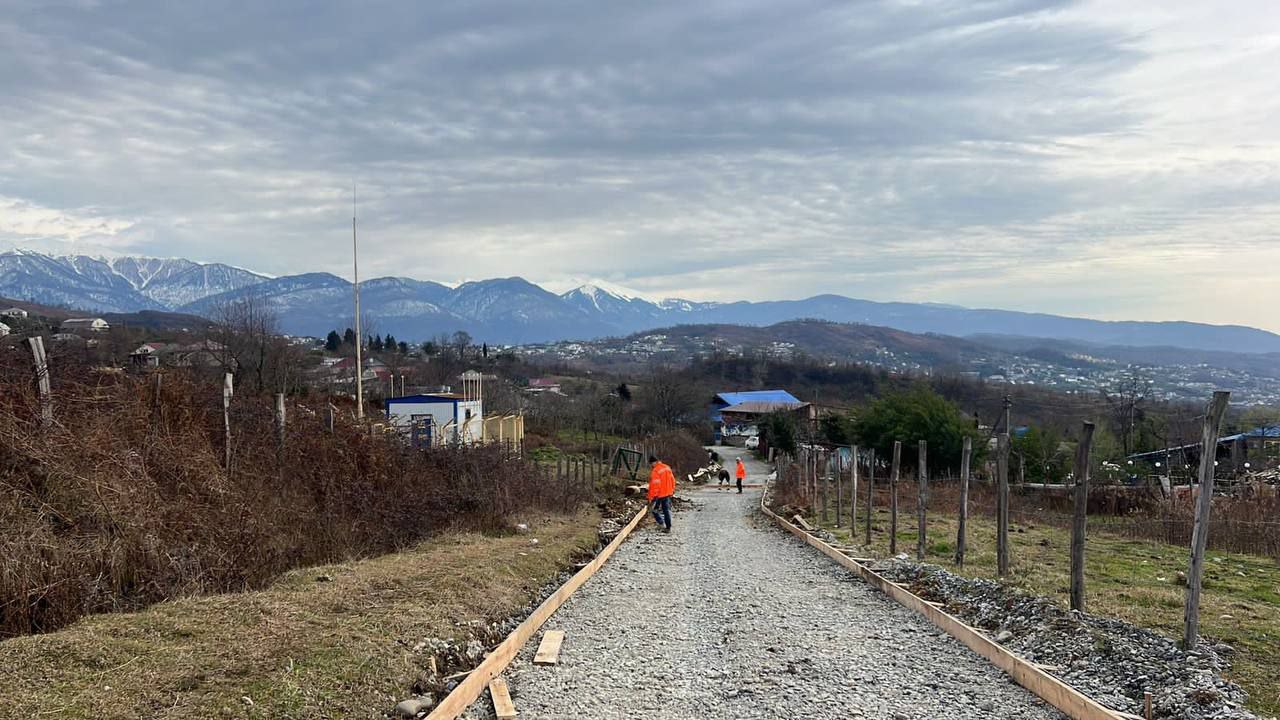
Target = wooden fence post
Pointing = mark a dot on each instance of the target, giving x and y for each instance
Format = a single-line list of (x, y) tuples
[(1002, 505), (1200, 532), (280, 419), (329, 416), (40, 363), (1080, 516), (853, 491), (839, 467), (893, 497), (965, 457), (821, 477), (871, 488), (922, 500), (227, 391)]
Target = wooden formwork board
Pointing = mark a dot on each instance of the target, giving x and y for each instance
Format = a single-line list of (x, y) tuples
[(456, 702), (1065, 698)]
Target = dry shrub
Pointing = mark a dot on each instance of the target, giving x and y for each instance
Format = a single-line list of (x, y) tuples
[(681, 450), (124, 501)]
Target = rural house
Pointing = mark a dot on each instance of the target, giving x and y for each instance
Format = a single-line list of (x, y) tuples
[(73, 325), (13, 313)]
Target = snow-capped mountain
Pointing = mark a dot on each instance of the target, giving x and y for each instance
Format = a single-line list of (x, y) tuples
[(514, 310), (123, 284)]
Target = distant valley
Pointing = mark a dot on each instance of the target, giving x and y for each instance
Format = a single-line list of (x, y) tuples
[(514, 310), (1173, 374)]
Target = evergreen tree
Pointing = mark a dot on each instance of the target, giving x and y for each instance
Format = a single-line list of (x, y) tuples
[(429, 348), (404, 348), (333, 341), (375, 343), (624, 393), (485, 350), (349, 337), (389, 342)]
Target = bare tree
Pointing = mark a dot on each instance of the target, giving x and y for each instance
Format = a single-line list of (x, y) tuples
[(1126, 402), (246, 339)]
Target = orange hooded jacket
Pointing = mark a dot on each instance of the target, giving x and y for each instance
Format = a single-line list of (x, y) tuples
[(662, 482), (742, 471)]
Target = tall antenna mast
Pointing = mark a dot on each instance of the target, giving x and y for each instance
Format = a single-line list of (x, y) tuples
[(355, 286)]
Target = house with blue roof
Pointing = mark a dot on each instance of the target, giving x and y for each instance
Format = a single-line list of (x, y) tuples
[(737, 413)]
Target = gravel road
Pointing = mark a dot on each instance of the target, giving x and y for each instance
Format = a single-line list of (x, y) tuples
[(729, 617)]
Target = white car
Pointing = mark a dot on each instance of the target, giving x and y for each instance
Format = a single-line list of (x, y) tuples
[(753, 442)]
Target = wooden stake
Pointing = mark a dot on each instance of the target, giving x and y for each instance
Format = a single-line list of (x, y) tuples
[(227, 391), (821, 477), (1002, 505), (329, 414), (1080, 517), (1146, 703), (280, 419), (1200, 532), (965, 457), (839, 461), (871, 488), (893, 497), (922, 500), (853, 491), (40, 363)]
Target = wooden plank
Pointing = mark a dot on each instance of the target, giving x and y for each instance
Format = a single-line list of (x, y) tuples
[(549, 649), (456, 702), (501, 695), (1070, 701)]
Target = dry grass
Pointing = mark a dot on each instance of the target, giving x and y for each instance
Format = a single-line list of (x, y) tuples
[(125, 501), (1131, 579), (298, 648)]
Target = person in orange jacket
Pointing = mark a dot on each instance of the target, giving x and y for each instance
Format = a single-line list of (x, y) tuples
[(662, 485), (741, 472)]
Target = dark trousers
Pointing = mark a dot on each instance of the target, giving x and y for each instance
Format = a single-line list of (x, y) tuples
[(662, 511), (739, 486)]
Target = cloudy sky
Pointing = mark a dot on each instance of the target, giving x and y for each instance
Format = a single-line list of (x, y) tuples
[(1114, 159)]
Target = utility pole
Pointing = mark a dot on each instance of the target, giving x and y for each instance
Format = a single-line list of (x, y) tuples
[(355, 286), (1008, 403)]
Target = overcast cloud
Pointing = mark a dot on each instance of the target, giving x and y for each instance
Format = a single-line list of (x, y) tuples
[(1107, 159)]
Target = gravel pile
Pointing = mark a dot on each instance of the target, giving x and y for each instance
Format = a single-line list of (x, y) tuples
[(727, 617), (1109, 660)]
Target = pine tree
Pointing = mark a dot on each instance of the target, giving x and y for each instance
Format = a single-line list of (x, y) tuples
[(333, 341), (375, 343), (349, 337), (389, 342), (404, 348)]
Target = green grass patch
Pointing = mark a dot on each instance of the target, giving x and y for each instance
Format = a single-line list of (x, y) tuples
[(1134, 580)]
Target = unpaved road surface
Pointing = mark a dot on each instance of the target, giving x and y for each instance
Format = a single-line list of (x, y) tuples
[(729, 617)]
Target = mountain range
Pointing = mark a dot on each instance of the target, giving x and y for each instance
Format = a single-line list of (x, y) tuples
[(514, 310)]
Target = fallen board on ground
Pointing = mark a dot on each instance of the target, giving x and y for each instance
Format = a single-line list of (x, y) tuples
[(549, 649), (502, 705)]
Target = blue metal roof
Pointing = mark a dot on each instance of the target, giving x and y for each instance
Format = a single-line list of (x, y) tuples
[(727, 399), (768, 396)]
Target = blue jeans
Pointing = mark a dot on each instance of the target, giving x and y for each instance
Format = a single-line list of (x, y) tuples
[(662, 511)]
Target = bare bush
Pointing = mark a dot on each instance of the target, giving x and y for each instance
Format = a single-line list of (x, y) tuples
[(123, 501)]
